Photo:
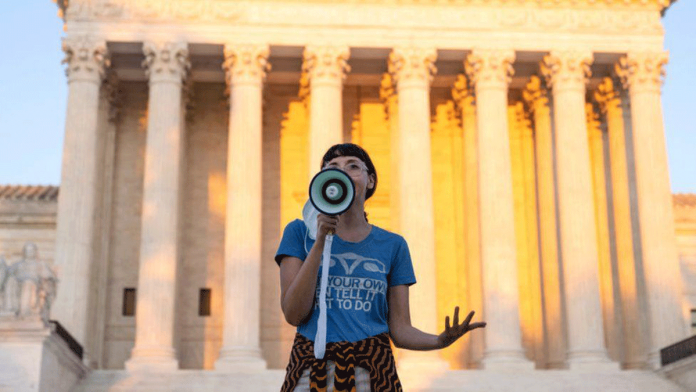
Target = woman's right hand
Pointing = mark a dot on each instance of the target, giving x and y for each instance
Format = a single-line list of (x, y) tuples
[(326, 223)]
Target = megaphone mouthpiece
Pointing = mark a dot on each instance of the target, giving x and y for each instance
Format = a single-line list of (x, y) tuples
[(332, 191)]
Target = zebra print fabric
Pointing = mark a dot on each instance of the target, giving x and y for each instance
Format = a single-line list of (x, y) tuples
[(373, 354)]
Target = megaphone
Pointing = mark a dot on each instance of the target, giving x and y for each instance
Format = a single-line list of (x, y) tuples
[(332, 191)]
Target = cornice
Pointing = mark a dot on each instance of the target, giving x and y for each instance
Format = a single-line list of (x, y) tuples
[(617, 16), (661, 5)]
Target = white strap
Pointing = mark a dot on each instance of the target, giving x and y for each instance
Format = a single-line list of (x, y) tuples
[(320, 339)]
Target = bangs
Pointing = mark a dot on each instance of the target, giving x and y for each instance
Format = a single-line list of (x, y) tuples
[(351, 150)]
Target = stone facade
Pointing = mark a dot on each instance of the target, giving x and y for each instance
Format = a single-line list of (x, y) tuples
[(511, 142)]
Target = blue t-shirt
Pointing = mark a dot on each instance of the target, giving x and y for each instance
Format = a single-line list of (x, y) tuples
[(359, 275)]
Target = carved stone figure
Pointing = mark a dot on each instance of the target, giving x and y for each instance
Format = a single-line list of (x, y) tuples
[(28, 286)]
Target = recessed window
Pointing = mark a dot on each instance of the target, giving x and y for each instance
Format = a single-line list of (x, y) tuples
[(204, 302), (129, 302)]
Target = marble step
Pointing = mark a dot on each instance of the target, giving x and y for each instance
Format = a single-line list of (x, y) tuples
[(450, 381)]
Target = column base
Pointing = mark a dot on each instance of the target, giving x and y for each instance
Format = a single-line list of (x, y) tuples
[(152, 359), (240, 359), (594, 361), (654, 360), (421, 362), (418, 369), (506, 360)]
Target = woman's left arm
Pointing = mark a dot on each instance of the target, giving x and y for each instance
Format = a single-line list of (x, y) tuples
[(406, 336), (402, 332)]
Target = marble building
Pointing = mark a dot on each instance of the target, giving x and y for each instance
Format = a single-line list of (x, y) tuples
[(520, 149)]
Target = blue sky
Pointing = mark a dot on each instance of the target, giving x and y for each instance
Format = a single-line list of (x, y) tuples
[(33, 92)]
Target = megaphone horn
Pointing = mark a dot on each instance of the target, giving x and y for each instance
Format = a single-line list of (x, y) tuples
[(332, 191)]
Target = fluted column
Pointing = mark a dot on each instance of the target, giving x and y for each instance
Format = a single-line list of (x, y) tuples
[(465, 100), (245, 67), (607, 289), (490, 72), (608, 98), (536, 96), (532, 230), (167, 65), (412, 70), (641, 74), (389, 98), (326, 68), (566, 73), (87, 60)]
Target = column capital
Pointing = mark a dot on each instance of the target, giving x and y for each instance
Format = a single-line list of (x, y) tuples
[(304, 91), (606, 96), (114, 95), (188, 100), (462, 92), (593, 121), (87, 58), (246, 63), (409, 65), (568, 69), (326, 63), (524, 122), (643, 71), (490, 67), (166, 61), (387, 92), (535, 93)]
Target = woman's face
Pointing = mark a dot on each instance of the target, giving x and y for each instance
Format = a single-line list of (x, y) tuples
[(362, 181)]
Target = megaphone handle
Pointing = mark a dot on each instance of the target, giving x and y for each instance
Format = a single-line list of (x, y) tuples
[(320, 338)]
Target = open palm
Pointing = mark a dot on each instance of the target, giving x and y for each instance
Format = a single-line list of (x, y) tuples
[(457, 330)]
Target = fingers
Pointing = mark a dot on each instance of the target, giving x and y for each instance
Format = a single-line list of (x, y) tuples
[(328, 218), (326, 223), (469, 317), (447, 325), (456, 316), (477, 325)]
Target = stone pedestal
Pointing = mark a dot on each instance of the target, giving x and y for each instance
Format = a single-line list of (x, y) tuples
[(34, 358)]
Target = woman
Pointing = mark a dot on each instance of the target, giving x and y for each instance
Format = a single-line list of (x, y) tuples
[(367, 295)]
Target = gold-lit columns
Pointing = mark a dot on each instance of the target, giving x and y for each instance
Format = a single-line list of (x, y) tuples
[(325, 67), (390, 100), (608, 97), (641, 74), (612, 327), (412, 71), (490, 71), (536, 97), (532, 234), (245, 67), (167, 66), (87, 61), (464, 98), (567, 73)]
